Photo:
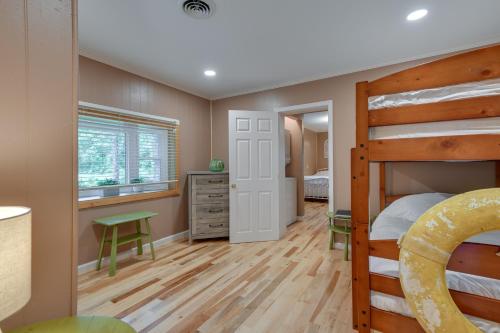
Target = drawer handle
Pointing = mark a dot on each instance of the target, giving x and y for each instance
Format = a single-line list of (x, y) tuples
[(215, 195), (216, 225), (213, 211), (219, 181)]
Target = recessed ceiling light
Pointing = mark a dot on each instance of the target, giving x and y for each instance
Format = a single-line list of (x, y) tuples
[(210, 72), (417, 15)]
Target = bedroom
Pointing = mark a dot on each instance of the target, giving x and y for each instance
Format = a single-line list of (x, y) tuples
[(306, 158), (149, 148)]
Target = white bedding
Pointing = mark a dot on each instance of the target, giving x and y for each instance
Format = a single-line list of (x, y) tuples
[(394, 221), (443, 128), (440, 128), (316, 186)]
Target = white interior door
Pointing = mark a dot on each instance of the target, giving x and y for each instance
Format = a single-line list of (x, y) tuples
[(253, 176)]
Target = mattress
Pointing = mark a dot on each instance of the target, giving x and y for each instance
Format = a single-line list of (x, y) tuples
[(394, 221), (316, 186), (442, 128)]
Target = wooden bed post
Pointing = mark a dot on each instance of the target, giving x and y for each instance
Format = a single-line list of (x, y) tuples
[(382, 185), (360, 214)]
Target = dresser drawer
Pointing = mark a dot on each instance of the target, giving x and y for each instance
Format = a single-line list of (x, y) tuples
[(210, 181), (204, 196), (218, 226), (209, 211)]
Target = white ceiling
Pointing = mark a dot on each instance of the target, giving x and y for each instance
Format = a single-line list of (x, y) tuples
[(259, 44), (316, 121)]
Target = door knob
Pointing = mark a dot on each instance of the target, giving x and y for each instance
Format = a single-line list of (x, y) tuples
[(233, 185)]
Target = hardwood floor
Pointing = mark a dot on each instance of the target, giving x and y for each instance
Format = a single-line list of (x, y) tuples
[(292, 285)]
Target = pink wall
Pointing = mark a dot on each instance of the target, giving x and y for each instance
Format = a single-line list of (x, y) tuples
[(310, 152), (38, 84)]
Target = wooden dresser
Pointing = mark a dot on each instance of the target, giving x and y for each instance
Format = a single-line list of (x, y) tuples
[(208, 204)]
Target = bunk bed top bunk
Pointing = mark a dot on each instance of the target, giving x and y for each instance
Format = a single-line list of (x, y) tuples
[(446, 110)]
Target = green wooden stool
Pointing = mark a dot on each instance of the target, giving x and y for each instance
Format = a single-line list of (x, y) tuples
[(116, 220), (92, 324), (341, 215)]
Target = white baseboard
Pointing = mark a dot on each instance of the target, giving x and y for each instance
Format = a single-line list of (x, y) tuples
[(89, 266)]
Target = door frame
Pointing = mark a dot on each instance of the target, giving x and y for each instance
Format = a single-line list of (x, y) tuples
[(301, 109)]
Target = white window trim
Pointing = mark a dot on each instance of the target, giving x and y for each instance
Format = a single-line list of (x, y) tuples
[(103, 201), (111, 109)]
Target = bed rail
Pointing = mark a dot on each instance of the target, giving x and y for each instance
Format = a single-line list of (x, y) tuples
[(478, 65), (467, 258), (442, 148), (470, 108)]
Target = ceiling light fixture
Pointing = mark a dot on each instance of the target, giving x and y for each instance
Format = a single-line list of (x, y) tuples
[(210, 72), (417, 15)]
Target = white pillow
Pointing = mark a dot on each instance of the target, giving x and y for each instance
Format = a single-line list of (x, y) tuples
[(398, 217), (322, 173), (410, 207), (388, 227)]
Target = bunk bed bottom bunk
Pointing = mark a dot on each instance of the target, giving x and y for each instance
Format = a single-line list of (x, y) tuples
[(393, 222)]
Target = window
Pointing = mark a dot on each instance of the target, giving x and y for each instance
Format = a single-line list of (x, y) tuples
[(121, 156)]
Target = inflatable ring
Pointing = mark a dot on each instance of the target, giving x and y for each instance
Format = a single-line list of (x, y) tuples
[(427, 247)]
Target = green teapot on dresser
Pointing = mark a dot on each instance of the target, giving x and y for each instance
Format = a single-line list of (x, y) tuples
[(216, 165)]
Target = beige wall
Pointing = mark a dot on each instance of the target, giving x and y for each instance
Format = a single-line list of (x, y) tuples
[(321, 161), (341, 90), (310, 152), (38, 92), (314, 157), (296, 166), (110, 86)]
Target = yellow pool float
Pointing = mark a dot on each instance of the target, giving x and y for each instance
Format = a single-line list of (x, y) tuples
[(427, 247)]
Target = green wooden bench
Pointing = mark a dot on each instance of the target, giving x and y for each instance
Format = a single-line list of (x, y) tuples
[(115, 241)]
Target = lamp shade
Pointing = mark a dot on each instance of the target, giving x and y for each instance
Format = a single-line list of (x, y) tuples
[(15, 259)]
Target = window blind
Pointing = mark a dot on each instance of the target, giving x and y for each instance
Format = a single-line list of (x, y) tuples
[(126, 154)]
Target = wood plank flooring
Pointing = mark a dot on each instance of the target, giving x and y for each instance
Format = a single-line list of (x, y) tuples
[(292, 285)]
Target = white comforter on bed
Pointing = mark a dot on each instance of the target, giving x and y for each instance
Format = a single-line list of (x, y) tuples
[(394, 221), (316, 186)]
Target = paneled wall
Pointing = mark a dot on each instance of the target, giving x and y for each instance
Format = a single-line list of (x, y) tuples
[(38, 83), (321, 161), (106, 85), (296, 167), (310, 152)]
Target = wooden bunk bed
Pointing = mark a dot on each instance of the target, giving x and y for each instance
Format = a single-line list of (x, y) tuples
[(475, 66)]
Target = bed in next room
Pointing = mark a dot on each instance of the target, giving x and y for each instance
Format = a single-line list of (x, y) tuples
[(316, 186)]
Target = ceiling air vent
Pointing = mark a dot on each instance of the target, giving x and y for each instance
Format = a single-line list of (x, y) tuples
[(198, 8)]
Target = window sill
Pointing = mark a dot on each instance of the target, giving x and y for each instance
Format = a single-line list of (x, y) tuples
[(107, 201)]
